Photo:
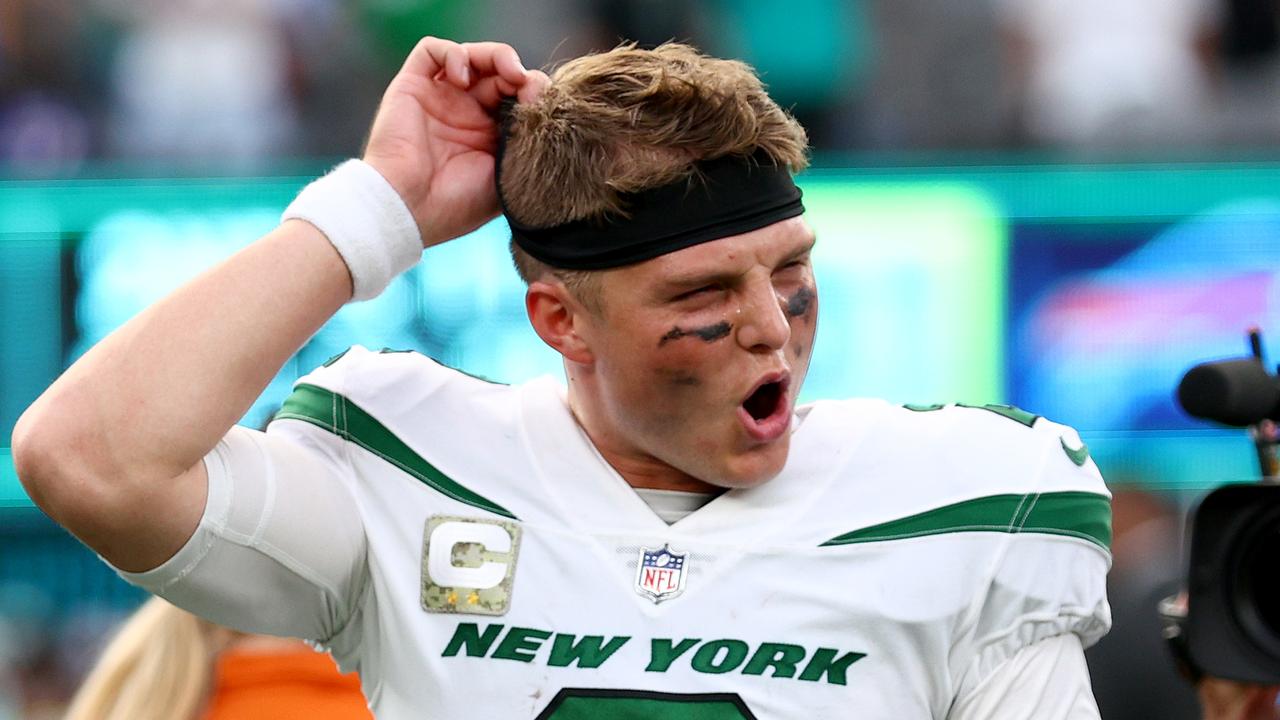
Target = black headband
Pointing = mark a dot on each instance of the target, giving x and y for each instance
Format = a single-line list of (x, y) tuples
[(727, 196)]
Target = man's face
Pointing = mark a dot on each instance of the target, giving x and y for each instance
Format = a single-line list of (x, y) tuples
[(698, 356)]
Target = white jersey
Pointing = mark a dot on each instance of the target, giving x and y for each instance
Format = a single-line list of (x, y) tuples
[(464, 546)]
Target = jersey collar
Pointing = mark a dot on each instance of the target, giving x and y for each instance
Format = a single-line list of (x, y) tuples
[(593, 498)]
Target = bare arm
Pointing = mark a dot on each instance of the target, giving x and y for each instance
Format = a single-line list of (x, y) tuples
[(112, 450)]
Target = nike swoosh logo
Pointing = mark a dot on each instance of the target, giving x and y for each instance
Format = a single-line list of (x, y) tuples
[(1078, 455)]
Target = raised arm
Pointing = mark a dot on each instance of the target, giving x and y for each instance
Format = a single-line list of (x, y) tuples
[(112, 450)]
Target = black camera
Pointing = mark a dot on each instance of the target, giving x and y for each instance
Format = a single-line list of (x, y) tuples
[(1227, 622)]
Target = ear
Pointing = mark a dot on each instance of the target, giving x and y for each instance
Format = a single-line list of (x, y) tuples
[(559, 320)]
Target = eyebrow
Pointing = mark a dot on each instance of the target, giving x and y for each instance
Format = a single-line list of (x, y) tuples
[(808, 248), (698, 279)]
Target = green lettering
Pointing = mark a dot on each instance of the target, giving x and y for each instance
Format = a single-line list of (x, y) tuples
[(705, 660), (335, 358), (824, 662), (521, 644), (586, 653), (468, 636), (662, 653), (782, 657), (913, 407), (1015, 414)]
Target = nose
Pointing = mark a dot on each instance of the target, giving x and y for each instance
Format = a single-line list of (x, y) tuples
[(762, 319)]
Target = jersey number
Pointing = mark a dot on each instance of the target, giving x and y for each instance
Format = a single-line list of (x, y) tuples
[(1015, 414), (594, 703)]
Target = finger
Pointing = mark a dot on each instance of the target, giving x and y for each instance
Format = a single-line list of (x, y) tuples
[(490, 91), (493, 58), (426, 58), (458, 67), (536, 83), (436, 58)]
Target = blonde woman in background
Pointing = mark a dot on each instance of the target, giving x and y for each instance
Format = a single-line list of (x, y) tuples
[(167, 664)]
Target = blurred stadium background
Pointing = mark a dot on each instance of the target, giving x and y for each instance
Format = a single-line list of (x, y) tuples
[(1060, 204)]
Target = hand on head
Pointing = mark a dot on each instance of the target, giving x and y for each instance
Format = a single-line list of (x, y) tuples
[(436, 131)]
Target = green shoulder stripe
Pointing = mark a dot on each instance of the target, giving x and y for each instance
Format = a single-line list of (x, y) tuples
[(1075, 514), (340, 416)]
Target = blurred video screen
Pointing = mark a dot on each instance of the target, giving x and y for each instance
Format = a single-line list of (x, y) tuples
[(907, 274), (1104, 318), (1078, 293)]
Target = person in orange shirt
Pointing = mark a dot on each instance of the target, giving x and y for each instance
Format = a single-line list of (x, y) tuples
[(167, 664)]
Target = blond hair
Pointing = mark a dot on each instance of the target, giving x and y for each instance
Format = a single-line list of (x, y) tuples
[(630, 120), (159, 666)]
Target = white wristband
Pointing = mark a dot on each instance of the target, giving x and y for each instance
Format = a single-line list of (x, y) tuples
[(366, 221)]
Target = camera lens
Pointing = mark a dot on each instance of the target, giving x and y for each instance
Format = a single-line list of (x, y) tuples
[(1257, 582)]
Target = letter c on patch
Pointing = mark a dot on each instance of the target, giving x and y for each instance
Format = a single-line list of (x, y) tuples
[(448, 535)]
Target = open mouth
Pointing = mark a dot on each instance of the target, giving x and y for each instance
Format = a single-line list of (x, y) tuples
[(765, 412), (764, 401)]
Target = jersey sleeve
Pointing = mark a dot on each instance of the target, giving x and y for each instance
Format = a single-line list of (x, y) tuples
[(280, 548), (1048, 574), (1048, 680)]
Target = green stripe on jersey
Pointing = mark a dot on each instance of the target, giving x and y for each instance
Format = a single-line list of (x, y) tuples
[(343, 418), (1075, 514), (595, 703)]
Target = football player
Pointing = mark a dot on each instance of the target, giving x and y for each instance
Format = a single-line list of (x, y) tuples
[(669, 535)]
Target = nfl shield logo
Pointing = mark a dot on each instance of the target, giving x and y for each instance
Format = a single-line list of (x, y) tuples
[(660, 574)]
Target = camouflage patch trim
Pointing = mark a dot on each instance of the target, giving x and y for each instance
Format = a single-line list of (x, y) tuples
[(494, 600)]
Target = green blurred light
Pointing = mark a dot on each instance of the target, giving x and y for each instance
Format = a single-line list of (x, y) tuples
[(920, 290), (80, 204), (1062, 193), (1174, 461), (1123, 193), (11, 493)]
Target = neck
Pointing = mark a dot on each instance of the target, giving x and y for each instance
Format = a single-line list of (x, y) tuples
[(649, 473), (639, 469)]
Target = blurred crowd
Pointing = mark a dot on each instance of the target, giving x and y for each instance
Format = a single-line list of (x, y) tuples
[(245, 86), (241, 85)]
